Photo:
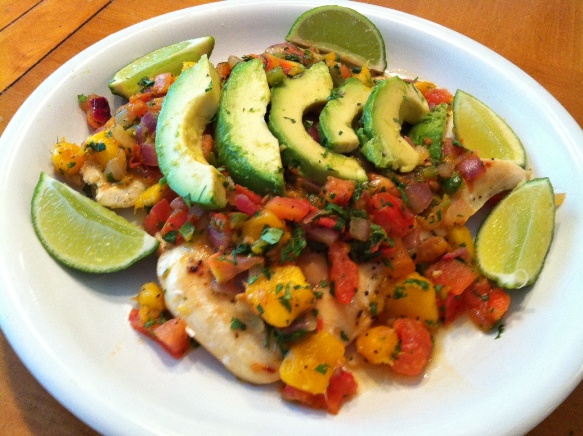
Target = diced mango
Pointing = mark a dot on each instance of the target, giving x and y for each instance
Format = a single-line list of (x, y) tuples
[(102, 147), (68, 158), (413, 297), (281, 296), (151, 196), (309, 364), (151, 302), (460, 236), (378, 344), (364, 76)]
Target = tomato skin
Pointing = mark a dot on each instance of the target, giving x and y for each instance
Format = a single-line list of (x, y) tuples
[(342, 388), (437, 96), (486, 305), (175, 221), (453, 273), (416, 347), (338, 191), (390, 213), (171, 334), (343, 272), (289, 209), (157, 216)]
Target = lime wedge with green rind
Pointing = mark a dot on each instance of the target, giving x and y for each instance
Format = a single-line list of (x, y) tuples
[(344, 31), (514, 240), (482, 130), (169, 59), (81, 233)]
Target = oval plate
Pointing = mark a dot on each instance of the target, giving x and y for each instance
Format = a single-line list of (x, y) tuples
[(71, 329)]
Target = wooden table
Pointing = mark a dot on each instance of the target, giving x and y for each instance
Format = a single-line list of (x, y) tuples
[(544, 38)]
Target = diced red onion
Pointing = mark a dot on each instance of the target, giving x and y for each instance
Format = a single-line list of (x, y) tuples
[(471, 167), (419, 196), (149, 156), (322, 234), (100, 111), (461, 252)]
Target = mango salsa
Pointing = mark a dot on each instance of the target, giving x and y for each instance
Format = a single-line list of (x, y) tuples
[(310, 363), (280, 296)]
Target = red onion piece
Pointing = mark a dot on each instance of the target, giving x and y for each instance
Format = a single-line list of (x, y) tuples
[(149, 156), (99, 107), (471, 167), (322, 234), (419, 196)]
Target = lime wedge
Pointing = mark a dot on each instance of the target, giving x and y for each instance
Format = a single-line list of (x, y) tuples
[(513, 241), (81, 233), (344, 31), (169, 59), (480, 129)]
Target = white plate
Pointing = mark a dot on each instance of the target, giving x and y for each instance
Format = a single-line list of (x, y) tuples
[(71, 329)]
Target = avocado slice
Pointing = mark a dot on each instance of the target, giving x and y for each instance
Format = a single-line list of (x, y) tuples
[(391, 103), (336, 119), (289, 101), (430, 130), (246, 147), (191, 103)]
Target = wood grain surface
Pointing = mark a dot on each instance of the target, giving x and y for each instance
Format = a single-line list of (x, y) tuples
[(542, 37)]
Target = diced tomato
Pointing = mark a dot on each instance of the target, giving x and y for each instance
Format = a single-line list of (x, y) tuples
[(435, 96), (253, 196), (451, 308), (342, 388), (390, 213), (136, 108), (486, 305), (224, 70), (330, 222), (416, 347), (453, 273), (245, 205), (175, 221), (171, 334), (161, 84), (338, 191), (343, 272), (289, 209), (157, 216)]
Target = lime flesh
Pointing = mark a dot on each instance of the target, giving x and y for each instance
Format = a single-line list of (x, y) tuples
[(482, 130), (169, 59), (81, 233), (344, 31), (513, 242)]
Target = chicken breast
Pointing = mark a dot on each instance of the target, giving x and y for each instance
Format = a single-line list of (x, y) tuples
[(190, 295), (113, 195), (501, 175), (347, 321)]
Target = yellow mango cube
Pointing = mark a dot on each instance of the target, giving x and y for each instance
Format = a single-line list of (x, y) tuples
[(460, 236), (309, 364), (68, 158), (378, 344), (281, 296), (102, 147), (413, 297), (151, 196)]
